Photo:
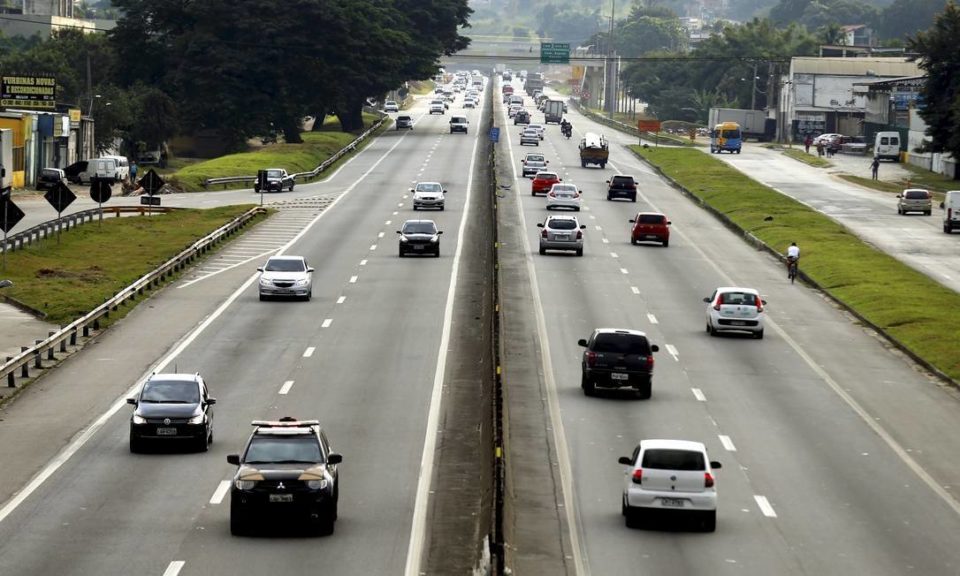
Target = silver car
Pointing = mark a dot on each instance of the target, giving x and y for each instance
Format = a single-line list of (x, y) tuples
[(914, 200), (561, 233), (531, 167), (530, 136), (428, 195), (288, 276), (563, 195)]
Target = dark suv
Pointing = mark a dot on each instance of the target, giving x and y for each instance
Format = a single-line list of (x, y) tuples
[(287, 470), (273, 180), (616, 358), (622, 186)]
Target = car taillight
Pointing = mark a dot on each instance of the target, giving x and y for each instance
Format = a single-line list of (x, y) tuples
[(638, 476), (551, 194), (591, 358), (707, 480), (543, 234), (717, 306), (579, 235), (949, 213), (759, 306), (649, 362)]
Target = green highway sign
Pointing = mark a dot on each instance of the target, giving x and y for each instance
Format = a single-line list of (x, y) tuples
[(553, 53)]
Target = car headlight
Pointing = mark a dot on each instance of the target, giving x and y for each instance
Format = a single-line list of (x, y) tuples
[(138, 419), (265, 281), (434, 238), (317, 484), (403, 238), (301, 282), (198, 419), (244, 484)]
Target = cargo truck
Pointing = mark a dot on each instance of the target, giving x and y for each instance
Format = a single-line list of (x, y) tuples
[(533, 82), (753, 123), (553, 111)]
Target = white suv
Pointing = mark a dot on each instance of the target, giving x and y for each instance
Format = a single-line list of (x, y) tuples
[(669, 475), (437, 107), (428, 195), (735, 309)]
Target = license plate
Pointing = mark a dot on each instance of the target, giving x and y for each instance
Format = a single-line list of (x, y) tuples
[(618, 376), (737, 323), (672, 502), (166, 431), (563, 236), (418, 247), (651, 236), (281, 497)]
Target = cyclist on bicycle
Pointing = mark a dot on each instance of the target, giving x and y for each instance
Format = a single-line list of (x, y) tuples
[(793, 256)]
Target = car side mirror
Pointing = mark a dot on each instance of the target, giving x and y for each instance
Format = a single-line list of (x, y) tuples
[(233, 459), (310, 269), (899, 195), (764, 302), (582, 342), (559, 179), (583, 226), (715, 465), (608, 181), (633, 221), (669, 222), (444, 191), (211, 401), (334, 458), (439, 231), (411, 189), (259, 268), (132, 401), (654, 348), (941, 204), (707, 300), (539, 224), (625, 460)]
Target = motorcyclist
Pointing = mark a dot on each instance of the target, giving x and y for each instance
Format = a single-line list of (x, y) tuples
[(566, 128)]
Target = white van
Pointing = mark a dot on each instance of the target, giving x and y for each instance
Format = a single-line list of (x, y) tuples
[(951, 211), (886, 146), (123, 167)]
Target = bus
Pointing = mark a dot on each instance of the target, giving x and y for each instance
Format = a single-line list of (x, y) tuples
[(726, 136)]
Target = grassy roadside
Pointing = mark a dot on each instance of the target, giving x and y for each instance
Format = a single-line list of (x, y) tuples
[(316, 147), (92, 263), (919, 178), (875, 285), (815, 161), (626, 124)]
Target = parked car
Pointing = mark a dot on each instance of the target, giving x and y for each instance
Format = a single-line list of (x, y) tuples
[(458, 124), (49, 177), (172, 408), (617, 358), (85, 171), (561, 233), (734, 309), (287, 471), (543, 181), (419, 237), (274, 180), (915, 200), (564, 195), (286, 276), (391, 106), (405, 122), (622, 186), (428, 195), (669, 476), (650, 226)]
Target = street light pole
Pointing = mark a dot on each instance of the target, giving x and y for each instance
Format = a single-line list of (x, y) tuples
[(610, 97)]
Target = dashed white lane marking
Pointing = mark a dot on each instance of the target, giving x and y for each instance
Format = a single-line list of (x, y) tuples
[(327, 323), (400, 205), (592, 217), (387, 223), (598, 228), (220, 493), (174, 568), (605, 241), (341, 299), (380, 235), (405, 196), (353, 279), (650, 317), (285, 389), (309, 351), (698, 394), (363, 262), (727, 443), (373, 246), (635, 290), (765, 506), (614, 255), (673, 351), (624, 271), (395, 212)]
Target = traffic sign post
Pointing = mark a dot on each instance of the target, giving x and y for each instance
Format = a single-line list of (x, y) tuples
[(151, 183), (494, 134), (60, 197), (12, 215), (100, 191), (554, 53), (650, 126), (150, 200)]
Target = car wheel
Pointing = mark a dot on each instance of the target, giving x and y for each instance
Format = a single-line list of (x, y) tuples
[(589, 388), (666, 242), (441, 208), (543, 251), (645, 391), (709, 523), (633, 198), (603, 165), (609, 197), (238, 524), (203, 443), (415, 207), (579, 251), (136, 444), (946, 229), (437, 253), (291, 186), (758, 335), (927, 212), (309, 296), (633, 241), (400, 253), (262, 297), (632, 517), (583, 164), (325, 524), (711, 329), (899, 211)]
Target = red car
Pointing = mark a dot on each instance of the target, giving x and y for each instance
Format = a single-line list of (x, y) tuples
[(650, 226), (543, 181)]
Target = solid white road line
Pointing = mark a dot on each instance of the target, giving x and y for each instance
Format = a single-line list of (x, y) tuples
[(673, 351), (309, 351), (174, 568), (765, 506), (285, 389), (221, 492), (421, 504), (650, 317), (727, 443), (624, 271), (353, 279), (341, 299), (84, 436), (327, 323), (698, 394)]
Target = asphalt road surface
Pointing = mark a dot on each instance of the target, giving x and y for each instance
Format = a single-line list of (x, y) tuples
[(838, 455)]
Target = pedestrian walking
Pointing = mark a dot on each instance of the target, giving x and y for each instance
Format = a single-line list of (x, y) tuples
[(875, 167), (820, 149), (807, 142), (133, 172)]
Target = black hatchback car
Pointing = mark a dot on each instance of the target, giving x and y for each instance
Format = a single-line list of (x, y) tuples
[(172, 407), (419, 237), (616, 358), (49, 177), (287, 471)]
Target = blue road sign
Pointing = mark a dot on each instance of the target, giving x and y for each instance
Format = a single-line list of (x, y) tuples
[(494, 134)]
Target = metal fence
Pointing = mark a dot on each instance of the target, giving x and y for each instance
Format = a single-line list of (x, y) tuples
[(49, 228), (57, 341)]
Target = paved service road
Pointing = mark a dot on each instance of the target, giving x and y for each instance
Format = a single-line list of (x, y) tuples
[(362, 357), (837, 453)]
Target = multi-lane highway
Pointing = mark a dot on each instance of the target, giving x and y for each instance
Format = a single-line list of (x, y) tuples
[(838, 455)]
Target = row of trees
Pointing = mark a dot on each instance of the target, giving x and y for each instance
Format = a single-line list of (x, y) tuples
[(242, 67)]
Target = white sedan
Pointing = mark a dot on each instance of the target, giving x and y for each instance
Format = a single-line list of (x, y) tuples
[(733, 309), (563, 195), (286, 276), (539, 128)]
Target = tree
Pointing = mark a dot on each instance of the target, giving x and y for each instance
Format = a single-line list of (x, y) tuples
[(907, 17), (939, 58)]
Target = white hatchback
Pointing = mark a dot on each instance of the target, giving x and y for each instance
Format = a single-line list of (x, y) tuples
[(563, 195), (669, 475), (736, 310)]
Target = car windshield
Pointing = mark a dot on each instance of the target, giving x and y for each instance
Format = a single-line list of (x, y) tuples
[(48, 173), (650, 219), (274, 173), (285, 265), (403, 118), (266, 449), (738, 298), (429, 187), (170, 392), (562, 224), (419, 228), (671, 459), (621, 344)]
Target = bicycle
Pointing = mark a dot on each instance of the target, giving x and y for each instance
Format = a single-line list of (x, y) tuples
[(792, 269)]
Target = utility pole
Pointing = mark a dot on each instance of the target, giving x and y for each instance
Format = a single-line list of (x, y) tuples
[(611, 79), (753, 90)]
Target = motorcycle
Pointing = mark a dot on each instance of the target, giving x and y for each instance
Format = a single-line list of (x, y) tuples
[(566, 131)]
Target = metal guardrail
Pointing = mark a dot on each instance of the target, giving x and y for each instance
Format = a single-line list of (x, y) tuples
[(44, 350), (47, 229), (312, 173), (666, 138)]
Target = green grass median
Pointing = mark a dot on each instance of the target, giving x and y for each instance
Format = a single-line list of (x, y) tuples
[(316, 147), (93, 262), (918, 312)]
